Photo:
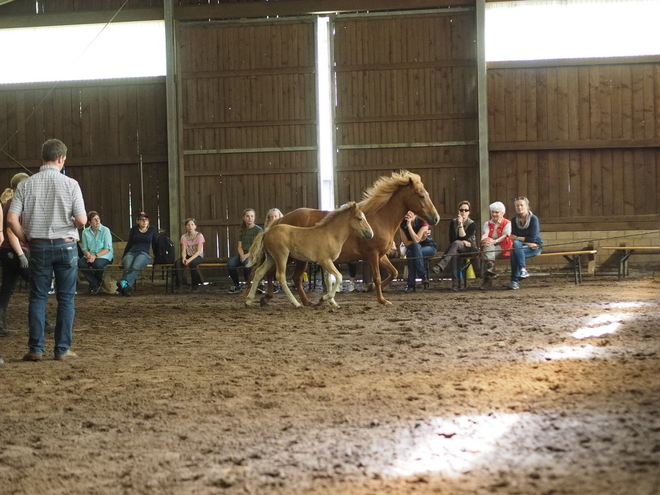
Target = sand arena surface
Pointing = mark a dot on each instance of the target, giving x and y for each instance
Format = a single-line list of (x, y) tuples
[(553, 389)]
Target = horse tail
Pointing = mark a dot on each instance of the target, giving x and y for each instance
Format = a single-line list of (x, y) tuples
[(257, 251)]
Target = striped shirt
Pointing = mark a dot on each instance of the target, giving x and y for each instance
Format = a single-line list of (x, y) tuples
[(50, 201)]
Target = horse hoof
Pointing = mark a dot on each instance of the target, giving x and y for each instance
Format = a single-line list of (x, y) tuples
[(248, 304), (385, 302)]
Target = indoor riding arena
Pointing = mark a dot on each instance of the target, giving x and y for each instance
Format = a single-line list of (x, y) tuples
[(403, 387)]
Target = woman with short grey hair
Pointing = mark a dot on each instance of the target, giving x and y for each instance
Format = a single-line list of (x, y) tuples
[(495, 242)]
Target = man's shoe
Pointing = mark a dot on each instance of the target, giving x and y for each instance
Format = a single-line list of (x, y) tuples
[(523, 273), (67, 355), (234, 289), (32, 356), (513, 286)]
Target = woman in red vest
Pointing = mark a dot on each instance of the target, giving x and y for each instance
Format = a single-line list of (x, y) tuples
[(495, 242)]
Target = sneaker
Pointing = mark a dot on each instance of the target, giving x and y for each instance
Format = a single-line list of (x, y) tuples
[(67, 355), (94, 289), (120, 286), (128, 291), (276, 289), (409, 288), (523, 273), (261, 290), (32, 356), (51, 291), (234, 289), (513, 286), (436, 269)]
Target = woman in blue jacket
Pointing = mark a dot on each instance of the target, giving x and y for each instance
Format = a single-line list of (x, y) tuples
[(527, 242)]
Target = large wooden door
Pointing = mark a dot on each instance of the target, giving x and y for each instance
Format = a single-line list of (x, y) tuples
[(407, 99), (248, 123)]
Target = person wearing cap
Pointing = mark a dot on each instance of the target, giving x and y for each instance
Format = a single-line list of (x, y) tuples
[(136, 254), (495, 242), (53, 209)]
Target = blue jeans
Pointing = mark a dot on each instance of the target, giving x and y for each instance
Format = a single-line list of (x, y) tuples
[(48, 258), (133, 262), (416, 254), (93, 272), (519, 254), (232, 267)]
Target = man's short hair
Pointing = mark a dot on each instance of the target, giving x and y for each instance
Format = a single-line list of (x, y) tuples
[(52, 150)]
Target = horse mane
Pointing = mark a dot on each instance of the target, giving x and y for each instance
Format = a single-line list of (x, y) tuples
[(379, 194), (333, 214)]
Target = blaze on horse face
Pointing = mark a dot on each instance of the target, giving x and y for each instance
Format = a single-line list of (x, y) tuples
[(361, 219), (423, 206)]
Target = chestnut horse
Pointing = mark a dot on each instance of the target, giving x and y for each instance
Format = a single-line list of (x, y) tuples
[(385, 204), (321, 244)]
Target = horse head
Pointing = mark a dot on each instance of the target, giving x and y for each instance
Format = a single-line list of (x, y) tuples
[(418, 200), (359, 221)]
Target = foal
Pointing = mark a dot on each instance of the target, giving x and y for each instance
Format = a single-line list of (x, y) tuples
[(321, 244)]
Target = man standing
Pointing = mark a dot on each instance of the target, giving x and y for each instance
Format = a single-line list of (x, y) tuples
[(53, 208)]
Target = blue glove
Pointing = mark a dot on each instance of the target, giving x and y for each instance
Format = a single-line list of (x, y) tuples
[(23, 261)]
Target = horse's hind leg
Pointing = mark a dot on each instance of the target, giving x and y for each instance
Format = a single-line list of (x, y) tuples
[(258, 273), (301, 266), (270, 276), (330, 270), (281, 277)]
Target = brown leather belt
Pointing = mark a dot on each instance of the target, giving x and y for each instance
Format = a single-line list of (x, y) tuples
[(65, 239)]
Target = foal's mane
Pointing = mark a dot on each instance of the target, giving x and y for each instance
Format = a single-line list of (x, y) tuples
[(333, 214), (381, 191)]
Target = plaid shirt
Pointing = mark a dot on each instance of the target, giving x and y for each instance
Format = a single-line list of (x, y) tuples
[(49, 201)]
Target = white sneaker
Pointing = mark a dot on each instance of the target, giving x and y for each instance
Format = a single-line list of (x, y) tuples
[(523, 273)]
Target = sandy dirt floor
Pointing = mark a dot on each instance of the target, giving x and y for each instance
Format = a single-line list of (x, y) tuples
[(552, 389)]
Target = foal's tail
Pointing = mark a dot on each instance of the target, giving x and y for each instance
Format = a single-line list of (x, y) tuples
[(257, 252)]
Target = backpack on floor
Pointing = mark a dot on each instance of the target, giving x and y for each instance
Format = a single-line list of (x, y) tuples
[(164, 250)]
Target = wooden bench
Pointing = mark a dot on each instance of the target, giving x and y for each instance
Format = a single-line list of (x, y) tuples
[(626, 252), (170, 273), (573, 257)]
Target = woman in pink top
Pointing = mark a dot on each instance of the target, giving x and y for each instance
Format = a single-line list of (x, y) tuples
[(192, 251)]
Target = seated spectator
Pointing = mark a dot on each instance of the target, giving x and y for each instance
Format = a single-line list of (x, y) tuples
[(246, 234), (462, 239), (416, 236), (136, 254), (526, 236), (97, 251), (273, 214), (192, 254), (495, 242)]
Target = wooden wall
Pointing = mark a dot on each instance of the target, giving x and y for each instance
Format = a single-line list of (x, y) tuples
[(249, 133), (116, 138), (582, 141), (407, 99)]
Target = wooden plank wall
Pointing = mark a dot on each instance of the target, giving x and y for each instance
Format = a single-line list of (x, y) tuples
[(581, 141), (250, 88), (109, 127), (408, 80)]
